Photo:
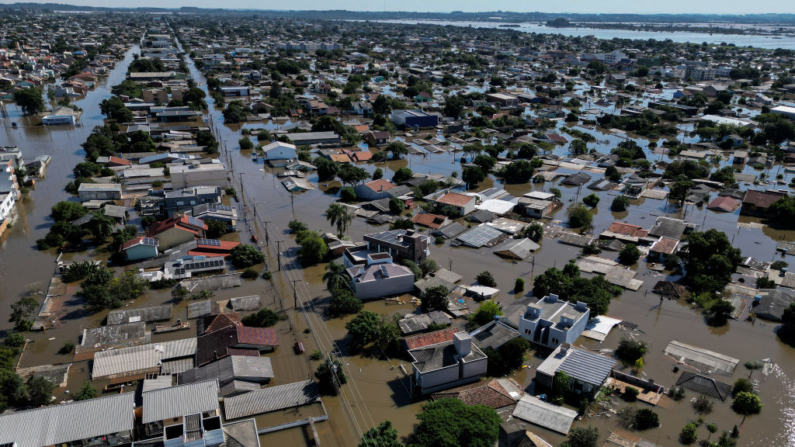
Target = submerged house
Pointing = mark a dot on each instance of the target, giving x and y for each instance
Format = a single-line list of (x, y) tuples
[(380, 278)]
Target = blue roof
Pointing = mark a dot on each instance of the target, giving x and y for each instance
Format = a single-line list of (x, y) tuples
[(587, 367)]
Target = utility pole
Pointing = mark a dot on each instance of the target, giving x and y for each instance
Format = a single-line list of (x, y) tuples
[(295, 294), (279, 255), (267, 235)]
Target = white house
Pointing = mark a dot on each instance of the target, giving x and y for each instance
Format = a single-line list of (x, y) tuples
[(552, 321), (280, 151), (62, 115), (448, 364)]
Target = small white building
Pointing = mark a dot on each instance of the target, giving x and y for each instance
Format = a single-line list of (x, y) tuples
[(199, 174), (61, 116), (99, 191), (280, 151)]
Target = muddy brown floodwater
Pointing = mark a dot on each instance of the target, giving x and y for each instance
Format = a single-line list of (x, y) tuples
[(377, 391)]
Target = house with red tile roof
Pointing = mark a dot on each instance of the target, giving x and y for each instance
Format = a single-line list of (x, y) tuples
[(725, 204), (664, 247), (462, 203), (429, 220), (619, 229), (430, 338), (377, 189), (116, 161), (177, 230), (213, 247)]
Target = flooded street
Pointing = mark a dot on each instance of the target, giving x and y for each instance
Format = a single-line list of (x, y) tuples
[(377, 390)]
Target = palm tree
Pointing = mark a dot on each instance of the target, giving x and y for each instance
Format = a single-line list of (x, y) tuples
[(101, 225), (338, 215), (336, 278)]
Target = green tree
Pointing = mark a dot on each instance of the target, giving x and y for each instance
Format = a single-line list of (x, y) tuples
[(689, 434), (262, 318), (580, 217), (67, 211), (364, 328), (21, 311), (30, 100), (39, 391), (517, 172), (746, 403), (15, 340), (216, 228), (485, 314), (396, 206), (336, 278), (452, 423), (428, 266), (347, 194), (782, 212), (402, 175), (472, 176), (87, 391), (330, 375), (720, 311), (629, 350), (508, 358), (591, 200), (313, 248), (352, 175), (245, 255), (485, 278), (384, 434), (534, 231), (711, 261), (101, 225), (434, 298), (629, 254), (397, 148), (561, 385), (578, 147), (582, 437), (338, 215), (344, 303), (620, 204), (518, 286), (378, 174), (326, 169), (645, 419)]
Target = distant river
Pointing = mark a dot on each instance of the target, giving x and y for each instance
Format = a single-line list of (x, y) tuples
[(679, 37)]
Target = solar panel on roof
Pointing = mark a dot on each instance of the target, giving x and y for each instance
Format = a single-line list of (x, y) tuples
[(149, 241), (213, 242), (195, 222)]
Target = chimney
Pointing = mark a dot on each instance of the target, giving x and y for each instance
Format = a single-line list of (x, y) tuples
[(462, 343), (564, 348)]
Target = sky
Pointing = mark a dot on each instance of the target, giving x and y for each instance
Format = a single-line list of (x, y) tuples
[(559, 6)]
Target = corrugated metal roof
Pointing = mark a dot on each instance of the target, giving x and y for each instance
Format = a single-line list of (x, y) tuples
[(158, 383), (176, 366), (124, 360), (60, 424), (147, 314), (245, 303), (180, 401), (179, 348), (271, 399), (587, 367), (538, 412)]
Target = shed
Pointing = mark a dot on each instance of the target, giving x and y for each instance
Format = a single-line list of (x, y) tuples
[(493, 335), (702, 359), (245, 303), (480, 236), (145, 314), (271, 399), (516, 248), (704, 385), (552, 417)]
